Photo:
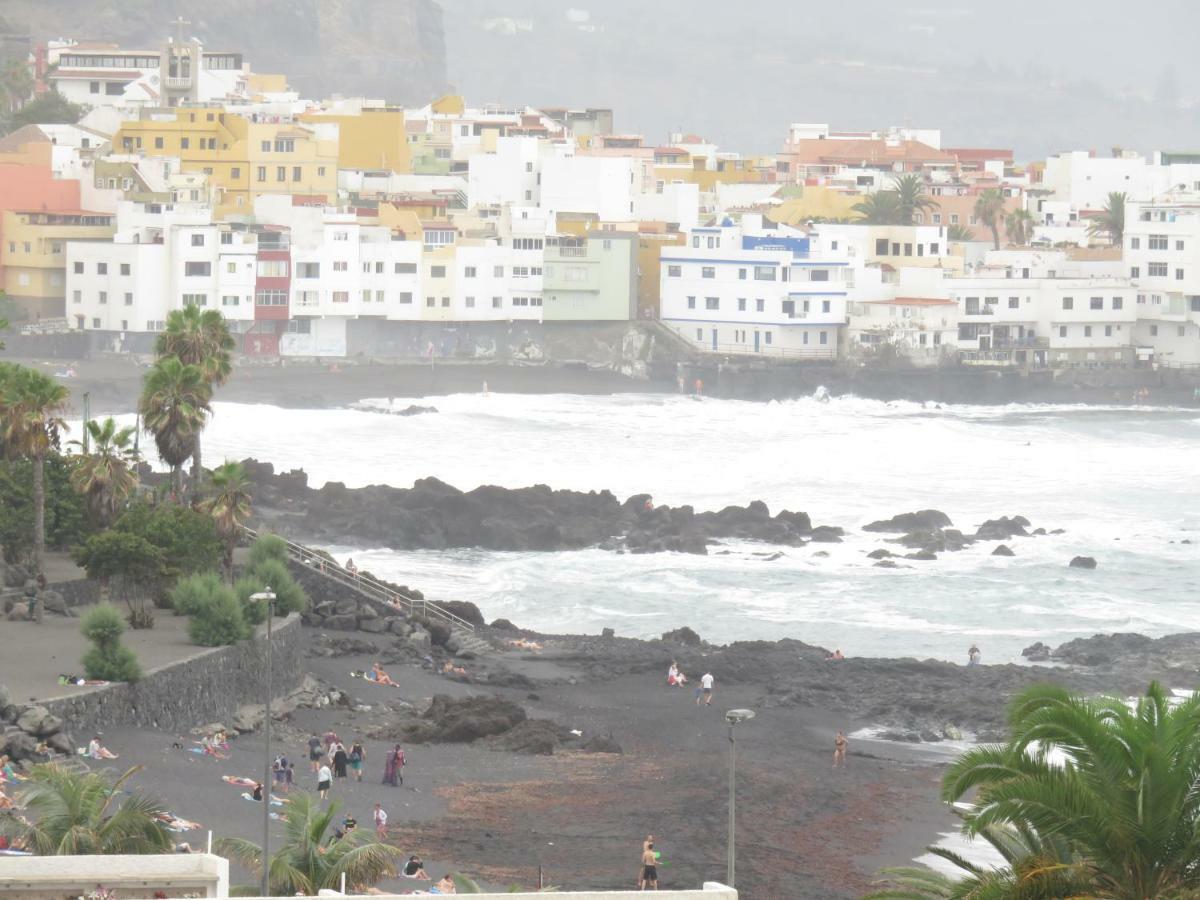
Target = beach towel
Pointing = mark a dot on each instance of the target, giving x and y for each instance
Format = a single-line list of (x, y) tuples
[(239, 780), (275, 801), (366, 676), (174, 823), (15, 853)]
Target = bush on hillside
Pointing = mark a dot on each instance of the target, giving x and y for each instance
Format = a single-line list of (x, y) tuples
[(290, 597), (220, 621), (267, 547), (108, 659), (187, 538), (194, 593), (254, 612)]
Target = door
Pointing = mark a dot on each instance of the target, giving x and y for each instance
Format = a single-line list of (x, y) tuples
[(714, 339), (985, 342), (756, 342)]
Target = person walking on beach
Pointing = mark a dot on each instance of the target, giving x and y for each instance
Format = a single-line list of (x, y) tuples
[(289, 778), (314, 754), (339, 758), (393, 767), (357, 757), (648, 871), (380, 822), (324, 779), (839, 750), (706, 689)]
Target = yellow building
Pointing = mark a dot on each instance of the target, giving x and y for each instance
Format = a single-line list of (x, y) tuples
[(805, 202), (243, 157), (373, 139), (33, 256)]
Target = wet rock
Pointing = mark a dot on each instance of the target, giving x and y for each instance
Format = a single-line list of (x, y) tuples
[(415, 410), (341, 623), (1058, 531), (397, 625), (1082, 562), (827, 534), (373, 626), (1002, 550), (601, 744), (325, 608), (1037, 652), (886, 564), (464, 719), (908, 737), (464, 609), (1002, 529), (1038, 532), (924, 555), (880, 554), (504, 625), (1106, 649), (684, 636), (922, 520)]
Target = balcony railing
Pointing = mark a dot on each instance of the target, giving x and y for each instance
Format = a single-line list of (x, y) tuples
[(568, 250), (178, 82)]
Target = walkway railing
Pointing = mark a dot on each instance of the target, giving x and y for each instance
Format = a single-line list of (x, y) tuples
[(367, 585)]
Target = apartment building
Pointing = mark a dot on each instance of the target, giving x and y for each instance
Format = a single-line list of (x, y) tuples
[(592, 277), (1162, 255), (922, 330), (34, 255), (744, 289)]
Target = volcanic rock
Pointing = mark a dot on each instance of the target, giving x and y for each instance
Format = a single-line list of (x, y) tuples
[(1002, 550), (1037, 652), (880, 554), (684, 636), (504, 625), (1002, 529), (1083, 562), (464, 719), (922, 520)]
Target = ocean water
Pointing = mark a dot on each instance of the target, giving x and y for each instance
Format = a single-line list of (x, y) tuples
[(1120, 481)]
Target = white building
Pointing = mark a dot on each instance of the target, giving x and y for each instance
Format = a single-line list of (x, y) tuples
[(1162, 252), (606, 186), (923, 330), (512, 174), (745, 290)]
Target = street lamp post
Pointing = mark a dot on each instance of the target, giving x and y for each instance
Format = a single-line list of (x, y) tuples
[(732, 718), (267, 596)]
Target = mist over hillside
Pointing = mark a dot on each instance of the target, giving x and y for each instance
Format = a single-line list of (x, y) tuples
[(1038, 77)]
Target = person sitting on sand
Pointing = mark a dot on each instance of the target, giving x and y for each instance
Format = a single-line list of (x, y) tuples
[(837, 654), (675, 678), (524, 644), (445, 886), (97, 751), (258, 792), (379, 676), (449, 668), (415, 868)]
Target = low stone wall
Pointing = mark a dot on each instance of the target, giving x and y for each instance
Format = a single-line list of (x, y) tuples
[(80, 592), (205, 688)]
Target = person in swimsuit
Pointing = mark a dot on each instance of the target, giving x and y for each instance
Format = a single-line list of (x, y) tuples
[(839, 750), (648, 877), (414, 868)]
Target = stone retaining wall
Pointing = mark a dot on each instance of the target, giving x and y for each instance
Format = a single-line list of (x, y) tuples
[(176, 697)]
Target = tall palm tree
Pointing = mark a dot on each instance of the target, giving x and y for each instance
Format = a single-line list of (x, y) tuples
[(174, 405), (106, 475), (229, 506), (307, 862), (880, 208), (31, 421), (199, 338), (989, 208), (73, 812), (959, 232), (1119, 786), (911, 197), (1111, 220), (1018, 225)]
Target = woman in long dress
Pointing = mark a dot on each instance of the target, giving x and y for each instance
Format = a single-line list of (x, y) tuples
[(389, 769), (340, 758)]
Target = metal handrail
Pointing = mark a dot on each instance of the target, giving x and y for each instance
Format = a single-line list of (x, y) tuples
[(367, 585)]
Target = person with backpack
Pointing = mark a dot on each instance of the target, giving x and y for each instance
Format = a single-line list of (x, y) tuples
[(357, 757)]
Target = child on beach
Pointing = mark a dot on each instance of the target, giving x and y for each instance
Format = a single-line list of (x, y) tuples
[(97, 751)]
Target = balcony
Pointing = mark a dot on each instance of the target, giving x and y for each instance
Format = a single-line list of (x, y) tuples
[(987, 310), (1029, 342), (178, 82), (568, 250)]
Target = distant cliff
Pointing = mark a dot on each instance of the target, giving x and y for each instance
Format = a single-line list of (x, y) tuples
[(393, 49)]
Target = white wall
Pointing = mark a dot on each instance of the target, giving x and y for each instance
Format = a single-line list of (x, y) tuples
[(604, 185), (178, 875)]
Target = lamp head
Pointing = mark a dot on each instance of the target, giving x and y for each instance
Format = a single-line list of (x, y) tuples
[(734, 716)]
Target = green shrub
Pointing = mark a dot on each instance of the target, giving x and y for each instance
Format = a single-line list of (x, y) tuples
[(254, 612), (194, 593), (268, 547), (130, 564), (108, 659), (289, 595), (220, 622), (187, 538)]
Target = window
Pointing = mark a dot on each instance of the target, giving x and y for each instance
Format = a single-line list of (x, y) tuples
[(1062, 330), (824, 337), (818, 275), (708, 271), (197, 269), (760, 305), (128, 299), (195, 299), (1135, 243), (699, 331), (437, 271), (527, 243), (1181, 331), (158, 143), (285, 145), (341, 296), (235, 173), (469, 272), (307, 298), (1135, 271), (674, 271), (197, 240), (1108, 331), (183, 143), (320, 171), (1157, 270), (691, 302), (271, 297), (1087, 330), (933, 251), (767, 336), (1179, 245), (712, 302), (308, 270), (340, 265), (261, 174), (406, 268), (230, 300), (1014, 302), (824, 306), (366, 296), (1179, 274), (954, 218), (76, 296), (1097, 303), (937, 218), (764, 273), (266, 146), (470, 301), (498, 271), (741, 304), (1158, 242), (406, 296), (366, 268), (789, 308), (695, 240), (95, 323), (272, 268), (445, 301), (907, 252), (77, 268), (101, 268), (1153, 331), (497, 302), (103, 297), (881, 247), (1068, 302), (281, 173)]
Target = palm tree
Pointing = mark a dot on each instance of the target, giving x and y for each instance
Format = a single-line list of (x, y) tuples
[(1120, 787), (958, 232), (1018, 224), (308, 862), (1111, 220), (106, 476), (31, 410), (229, 506), (174, 406), (72, 812), (198, 338), (989, 208), (911, 198), (880, 208)]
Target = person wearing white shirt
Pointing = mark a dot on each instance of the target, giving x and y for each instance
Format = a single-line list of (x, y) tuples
[(324, 778), (706, 688)]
